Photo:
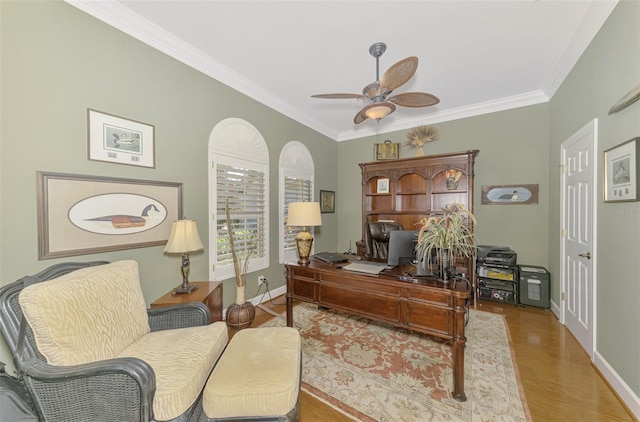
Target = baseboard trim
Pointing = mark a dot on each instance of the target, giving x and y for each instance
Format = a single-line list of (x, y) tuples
[(629, 399), (555, 309), (282, 290), (262, 298)]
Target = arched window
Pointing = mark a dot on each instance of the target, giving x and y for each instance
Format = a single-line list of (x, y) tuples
[(239, 173), (296, 176)]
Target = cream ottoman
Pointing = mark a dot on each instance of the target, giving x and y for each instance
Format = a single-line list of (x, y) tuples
[(257, 378)]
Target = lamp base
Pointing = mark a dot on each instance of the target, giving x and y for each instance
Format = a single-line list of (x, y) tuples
[(304, 240), (185, 289)]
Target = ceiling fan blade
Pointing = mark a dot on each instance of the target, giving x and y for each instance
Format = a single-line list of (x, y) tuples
[(414, 99), (399, 73), (360, 117), (339, 96)]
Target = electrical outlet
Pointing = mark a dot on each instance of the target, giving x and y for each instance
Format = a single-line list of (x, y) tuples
[(261, 279)]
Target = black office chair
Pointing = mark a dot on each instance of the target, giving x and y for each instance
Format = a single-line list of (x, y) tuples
[(376, 239)]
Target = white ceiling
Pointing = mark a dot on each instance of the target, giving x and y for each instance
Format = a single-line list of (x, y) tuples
[(477, 56)]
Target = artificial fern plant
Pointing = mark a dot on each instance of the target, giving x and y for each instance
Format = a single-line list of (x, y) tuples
[(451, 233)]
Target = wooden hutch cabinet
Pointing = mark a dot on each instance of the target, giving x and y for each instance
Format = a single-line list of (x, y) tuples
[(415, 188)]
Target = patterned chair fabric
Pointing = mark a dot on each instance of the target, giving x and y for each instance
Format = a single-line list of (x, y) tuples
[(92, 351)]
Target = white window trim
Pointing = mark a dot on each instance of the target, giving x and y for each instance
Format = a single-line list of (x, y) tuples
[(295, 161), (236, 142)]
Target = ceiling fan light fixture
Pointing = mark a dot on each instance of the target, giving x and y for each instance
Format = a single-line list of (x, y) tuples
[(378, 93), (377, 111)]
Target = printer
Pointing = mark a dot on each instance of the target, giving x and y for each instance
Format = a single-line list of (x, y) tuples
[(497, 256)]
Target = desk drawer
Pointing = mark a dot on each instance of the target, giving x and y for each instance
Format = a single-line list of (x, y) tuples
[(439, 297), (430, 318), (303, 288), (366, 284), (377, 306)]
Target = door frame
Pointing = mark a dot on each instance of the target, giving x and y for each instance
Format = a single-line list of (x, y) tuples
[(591, 127)]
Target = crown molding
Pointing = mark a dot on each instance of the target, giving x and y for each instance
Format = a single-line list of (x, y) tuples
[(120, 17), (473, 110), (594, 18)]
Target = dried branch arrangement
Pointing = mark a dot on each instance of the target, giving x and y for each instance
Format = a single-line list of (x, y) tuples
[(418, 136), (240, 269)]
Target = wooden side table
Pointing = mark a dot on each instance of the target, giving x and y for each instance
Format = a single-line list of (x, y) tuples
[(208, 292)]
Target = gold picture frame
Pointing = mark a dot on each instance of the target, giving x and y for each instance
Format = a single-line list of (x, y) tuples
[(386, 151)]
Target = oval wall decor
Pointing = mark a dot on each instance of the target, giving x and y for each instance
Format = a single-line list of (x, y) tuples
[(117, 213), (509, 194)]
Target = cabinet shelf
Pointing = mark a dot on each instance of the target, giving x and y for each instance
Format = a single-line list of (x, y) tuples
[(442, 192), (418, 187), (497, 283)]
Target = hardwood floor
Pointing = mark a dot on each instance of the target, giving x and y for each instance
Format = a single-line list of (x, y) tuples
[(559, 381)]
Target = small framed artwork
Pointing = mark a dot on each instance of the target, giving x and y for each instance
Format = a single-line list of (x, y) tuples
[(327, 201), (383, 186), (79, 215), (621, 172), (386, 151), (509, 194), (118, 140)]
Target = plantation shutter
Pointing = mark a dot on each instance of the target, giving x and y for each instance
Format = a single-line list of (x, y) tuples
[(245, 190), (295, 190), (296, 184)]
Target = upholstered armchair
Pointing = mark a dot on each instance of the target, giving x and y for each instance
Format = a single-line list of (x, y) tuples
[(88, 349), (376, 239)]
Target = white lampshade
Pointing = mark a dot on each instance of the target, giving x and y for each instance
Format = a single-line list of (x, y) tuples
[(302, 214), (184, 237)]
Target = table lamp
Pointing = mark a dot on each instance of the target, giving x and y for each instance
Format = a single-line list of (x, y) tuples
[(183, 239), (304, 214)]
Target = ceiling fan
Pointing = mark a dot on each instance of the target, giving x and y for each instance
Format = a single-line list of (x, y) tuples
[(378, 94)]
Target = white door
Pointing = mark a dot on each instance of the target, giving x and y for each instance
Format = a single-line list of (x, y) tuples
[(578, 231)]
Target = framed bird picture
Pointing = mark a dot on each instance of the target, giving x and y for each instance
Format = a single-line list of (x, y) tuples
[(621, 177), (80, 215), (115, 139)]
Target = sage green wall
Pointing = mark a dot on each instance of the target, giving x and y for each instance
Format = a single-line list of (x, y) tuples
[(607, 70), (513, 148), (56, 62), (523, 146)]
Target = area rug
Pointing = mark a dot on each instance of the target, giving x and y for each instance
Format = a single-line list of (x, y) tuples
[(374, 372)]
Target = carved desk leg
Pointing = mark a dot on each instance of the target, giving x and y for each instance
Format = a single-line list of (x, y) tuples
[(459, 342), (289, 301)]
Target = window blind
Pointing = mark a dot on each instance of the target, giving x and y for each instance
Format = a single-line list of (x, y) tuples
[(296, 189), (245, 189)]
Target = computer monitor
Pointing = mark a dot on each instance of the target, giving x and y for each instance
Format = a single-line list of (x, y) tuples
[(402, 247), (402, 251)]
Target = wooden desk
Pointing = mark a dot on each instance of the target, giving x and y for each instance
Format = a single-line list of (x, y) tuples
[(423, 305), (208, 292)]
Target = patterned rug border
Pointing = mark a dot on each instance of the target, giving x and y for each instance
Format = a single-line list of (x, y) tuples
[(358, 416)]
